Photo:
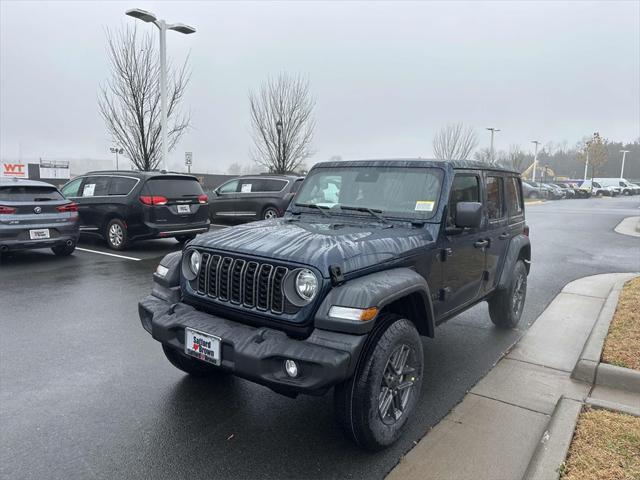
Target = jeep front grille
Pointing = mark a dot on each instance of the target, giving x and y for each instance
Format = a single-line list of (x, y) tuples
[(241, 282)]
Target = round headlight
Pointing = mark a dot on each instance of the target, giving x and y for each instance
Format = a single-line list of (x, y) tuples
[(306, 284), (194, 262)]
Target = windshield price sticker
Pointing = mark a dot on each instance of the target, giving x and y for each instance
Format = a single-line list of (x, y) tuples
[(424, 206)]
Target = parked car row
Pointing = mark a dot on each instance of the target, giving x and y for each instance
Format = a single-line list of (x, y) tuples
[(124, 206), (579, 188)]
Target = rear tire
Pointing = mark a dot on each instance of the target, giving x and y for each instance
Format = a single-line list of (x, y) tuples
[(374, 405), (116, 234), (184, 239), (505, 306), (270, 213), (193, 367), (63, 250)]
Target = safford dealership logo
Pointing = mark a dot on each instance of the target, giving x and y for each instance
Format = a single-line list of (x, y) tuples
[(14, 170)]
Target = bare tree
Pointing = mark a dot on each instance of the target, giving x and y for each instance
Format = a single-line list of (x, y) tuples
[(282, 123), (129, 102), (454, 142), (595, 152), (234, 169), (517, 159)]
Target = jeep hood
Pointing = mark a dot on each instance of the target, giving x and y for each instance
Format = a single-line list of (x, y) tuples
[(351, 246)]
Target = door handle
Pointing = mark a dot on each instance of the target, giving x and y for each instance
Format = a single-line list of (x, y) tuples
[(481, 244), (504, 236)]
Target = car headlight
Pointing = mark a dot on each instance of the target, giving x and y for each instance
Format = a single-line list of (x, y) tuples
[(194, 262), (306, 284)]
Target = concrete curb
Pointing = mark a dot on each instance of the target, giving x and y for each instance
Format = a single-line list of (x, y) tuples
[(554, 445), (589, 368), (629, 226), (613, 406)]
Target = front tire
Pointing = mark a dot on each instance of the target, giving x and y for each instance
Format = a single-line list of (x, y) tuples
[(373, 406), (505, 306), (116, 234), (193, 367)]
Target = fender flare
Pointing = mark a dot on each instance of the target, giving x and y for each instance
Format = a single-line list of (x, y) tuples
[(519, 249), (380, 290)]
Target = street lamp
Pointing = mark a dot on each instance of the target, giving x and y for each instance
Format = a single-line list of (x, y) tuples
[(279, 130), (535, 160), (117, 151), (163, 27), (624, 154), (493, 131)]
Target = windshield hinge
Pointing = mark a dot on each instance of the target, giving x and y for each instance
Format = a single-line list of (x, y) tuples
[(444, 253)]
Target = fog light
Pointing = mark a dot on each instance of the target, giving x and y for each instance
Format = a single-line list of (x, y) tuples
[(291, 368)]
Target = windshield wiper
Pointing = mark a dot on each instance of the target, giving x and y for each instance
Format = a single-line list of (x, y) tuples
[(317, 207), (371, 211)]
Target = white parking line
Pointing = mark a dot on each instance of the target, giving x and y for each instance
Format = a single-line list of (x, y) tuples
[(108, 254)]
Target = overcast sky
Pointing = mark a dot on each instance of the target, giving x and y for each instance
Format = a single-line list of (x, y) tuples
[(385, 76)]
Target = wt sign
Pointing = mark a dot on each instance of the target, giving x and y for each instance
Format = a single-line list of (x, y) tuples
[(14, 170)]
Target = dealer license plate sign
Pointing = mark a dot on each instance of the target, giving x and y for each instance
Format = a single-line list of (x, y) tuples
[(39, 234), (202, 346), (184, 209)]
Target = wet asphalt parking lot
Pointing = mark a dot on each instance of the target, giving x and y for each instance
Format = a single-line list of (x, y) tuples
[(86, 393)]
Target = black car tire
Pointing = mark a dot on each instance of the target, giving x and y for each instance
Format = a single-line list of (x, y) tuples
[(269, 213), (359, 400), (192, 366), (506, 305), (116, 234), (63, 250)]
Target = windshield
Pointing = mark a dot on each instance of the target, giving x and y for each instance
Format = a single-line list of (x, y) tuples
[(395, 191)]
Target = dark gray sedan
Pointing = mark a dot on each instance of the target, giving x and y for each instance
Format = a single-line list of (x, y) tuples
[(36, 215)]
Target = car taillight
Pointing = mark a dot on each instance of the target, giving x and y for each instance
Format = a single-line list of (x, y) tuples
[(526, 230), (203, 198), (7, 210), (153, 200), (70, 207)]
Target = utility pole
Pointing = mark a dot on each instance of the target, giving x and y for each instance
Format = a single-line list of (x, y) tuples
[(280, 162), (535, 160), (117, 151), (163, 27), (493, 131), (624, 154)]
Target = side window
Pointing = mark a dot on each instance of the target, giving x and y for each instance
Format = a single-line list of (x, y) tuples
[(465, 188), (121, 185), (248, 185), (96, 187), (495, 208), (71, 188), (514, 197), (229, 187), (270, 185)]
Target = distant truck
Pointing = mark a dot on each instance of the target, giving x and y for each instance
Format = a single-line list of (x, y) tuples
[(622, 186)]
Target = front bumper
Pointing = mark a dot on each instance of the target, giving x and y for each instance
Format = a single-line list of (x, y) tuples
[(324, 359)]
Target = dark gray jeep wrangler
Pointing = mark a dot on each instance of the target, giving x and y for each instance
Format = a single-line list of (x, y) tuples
[(369, 257)]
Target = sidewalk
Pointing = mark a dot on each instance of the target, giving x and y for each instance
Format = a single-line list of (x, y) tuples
[(494, 432)]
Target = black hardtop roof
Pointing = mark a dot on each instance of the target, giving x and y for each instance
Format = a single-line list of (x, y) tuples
[(23, 182), (418, 162), (275, 176), (139, 173)]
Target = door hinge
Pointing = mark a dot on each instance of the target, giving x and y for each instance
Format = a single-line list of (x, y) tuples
[(485, 275), (444, 293)]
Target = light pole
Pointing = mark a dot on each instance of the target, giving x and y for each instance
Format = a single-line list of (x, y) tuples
[(163, 27), (535, 160), (279, 130), (117, 151), (493, 131), (624, 154)]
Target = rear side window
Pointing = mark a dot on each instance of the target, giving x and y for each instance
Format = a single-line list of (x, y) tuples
[(121, 185), (495, 209), (95, 187), (174, 187), (514, 197), (25, 193), (465, 188), (254, 185)]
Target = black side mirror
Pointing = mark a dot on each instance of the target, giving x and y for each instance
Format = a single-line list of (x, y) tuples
[(468, 214)]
